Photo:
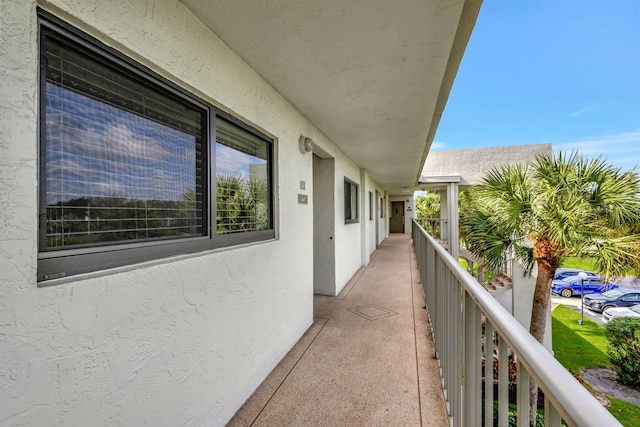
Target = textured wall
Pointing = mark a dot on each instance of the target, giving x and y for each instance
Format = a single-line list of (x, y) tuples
[(348, 236), (173, 342), (471, 163), (368, 227)]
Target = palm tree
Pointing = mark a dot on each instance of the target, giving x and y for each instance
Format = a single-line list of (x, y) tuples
[(558, 206), (428, 211), (241, 203)]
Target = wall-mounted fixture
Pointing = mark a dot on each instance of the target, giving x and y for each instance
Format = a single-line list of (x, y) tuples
[(306, 144)]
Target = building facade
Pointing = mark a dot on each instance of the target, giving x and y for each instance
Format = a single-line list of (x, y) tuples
[(132, 292)]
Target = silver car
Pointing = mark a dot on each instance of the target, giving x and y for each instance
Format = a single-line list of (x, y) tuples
[(613, 313)]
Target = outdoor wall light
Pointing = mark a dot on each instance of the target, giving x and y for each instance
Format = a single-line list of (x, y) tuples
[(306, 144)]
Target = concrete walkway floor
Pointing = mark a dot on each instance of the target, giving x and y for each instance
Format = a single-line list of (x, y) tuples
[(367, 360)]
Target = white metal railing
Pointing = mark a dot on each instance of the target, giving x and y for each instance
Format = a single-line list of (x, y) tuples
[(437, 227), (462, 315)]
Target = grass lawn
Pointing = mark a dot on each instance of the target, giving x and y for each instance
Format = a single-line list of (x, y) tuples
[(626, 413), (587, 264), (577, 347), (581, 263)]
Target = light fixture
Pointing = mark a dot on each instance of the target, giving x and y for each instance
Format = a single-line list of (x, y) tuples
[(306, 144)]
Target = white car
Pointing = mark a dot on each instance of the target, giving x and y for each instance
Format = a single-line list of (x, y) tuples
[(612, 313)]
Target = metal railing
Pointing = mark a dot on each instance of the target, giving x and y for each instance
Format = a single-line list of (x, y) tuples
[(463, 315), (437, 227)]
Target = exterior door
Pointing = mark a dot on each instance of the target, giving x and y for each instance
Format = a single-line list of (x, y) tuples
[(324, 251), (396, 219)]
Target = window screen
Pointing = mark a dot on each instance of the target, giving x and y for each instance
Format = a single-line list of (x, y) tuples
[(242, 180), (122, 160)]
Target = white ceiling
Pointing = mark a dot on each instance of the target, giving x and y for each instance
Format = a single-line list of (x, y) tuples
[(372, 75)]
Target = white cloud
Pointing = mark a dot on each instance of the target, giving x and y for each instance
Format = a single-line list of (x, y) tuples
[(438, 145), (622, 149), (582, 111)]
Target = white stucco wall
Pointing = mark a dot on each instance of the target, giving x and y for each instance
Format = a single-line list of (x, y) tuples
[(384, 221), (177, 341), (471, 163), (348, 236), (369, 225), (522, 301)]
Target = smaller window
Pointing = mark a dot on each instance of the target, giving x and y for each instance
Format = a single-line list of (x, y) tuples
[(381, 207), (370, 206), (350, 201)]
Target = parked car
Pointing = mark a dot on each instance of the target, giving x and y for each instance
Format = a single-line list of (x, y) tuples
[(563, 273), (621, 297), (614, 313), (573, 285)]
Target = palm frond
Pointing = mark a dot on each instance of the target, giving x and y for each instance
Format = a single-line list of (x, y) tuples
[(573, 204)]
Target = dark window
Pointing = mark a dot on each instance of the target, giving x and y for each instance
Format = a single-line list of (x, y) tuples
[(350, 201), (123, 159), (125, 163), (370, 206), (242, 180), (381, 207)]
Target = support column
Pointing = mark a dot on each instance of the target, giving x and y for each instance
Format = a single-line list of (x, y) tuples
[(453, 231)]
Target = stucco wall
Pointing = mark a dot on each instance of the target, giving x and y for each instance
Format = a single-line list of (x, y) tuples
[(471, 163), (348, 236), (369, 243), (177, 341)]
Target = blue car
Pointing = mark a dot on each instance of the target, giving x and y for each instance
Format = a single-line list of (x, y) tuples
[(563, 273), (573, 285)]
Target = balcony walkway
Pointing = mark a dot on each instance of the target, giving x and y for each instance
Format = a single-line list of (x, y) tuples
[(367, 360)]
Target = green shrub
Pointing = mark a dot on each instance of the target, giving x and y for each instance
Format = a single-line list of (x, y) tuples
[(624, 349)]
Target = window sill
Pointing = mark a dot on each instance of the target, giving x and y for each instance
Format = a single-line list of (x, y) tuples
[(148, 264)]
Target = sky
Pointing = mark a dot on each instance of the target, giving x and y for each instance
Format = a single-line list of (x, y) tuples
[(560, 71)]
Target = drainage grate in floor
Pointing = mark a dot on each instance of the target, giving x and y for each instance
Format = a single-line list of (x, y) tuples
[(372, 312)]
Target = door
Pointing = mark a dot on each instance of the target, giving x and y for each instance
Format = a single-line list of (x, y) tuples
[(324, 252), (396, 220)]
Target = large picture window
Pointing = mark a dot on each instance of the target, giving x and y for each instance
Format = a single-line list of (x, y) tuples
[(126, 163)]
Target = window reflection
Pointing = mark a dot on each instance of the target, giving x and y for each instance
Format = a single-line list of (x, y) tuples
[(112, 175), (242, 191)]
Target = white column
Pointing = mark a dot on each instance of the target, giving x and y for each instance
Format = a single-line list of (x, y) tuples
[(453, 236), (364, 217)]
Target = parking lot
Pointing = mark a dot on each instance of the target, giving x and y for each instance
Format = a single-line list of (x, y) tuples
[(575, 301)]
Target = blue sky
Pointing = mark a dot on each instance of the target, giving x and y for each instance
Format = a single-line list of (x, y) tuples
[(559, 71)]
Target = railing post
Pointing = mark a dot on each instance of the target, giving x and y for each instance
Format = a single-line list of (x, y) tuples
[(457, 304), (488, 374), (523, 396), (470, 384), (503, 384)]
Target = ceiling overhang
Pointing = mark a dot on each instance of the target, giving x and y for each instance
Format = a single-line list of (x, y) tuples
[(373, 76)]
